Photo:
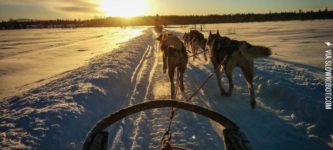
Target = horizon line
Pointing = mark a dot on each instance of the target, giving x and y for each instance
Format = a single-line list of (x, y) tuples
[(119, 17)]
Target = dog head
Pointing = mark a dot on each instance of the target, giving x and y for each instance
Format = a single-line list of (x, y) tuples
[(159, 38), (194, 34), (163, 36), (211, 38), (185, 36)]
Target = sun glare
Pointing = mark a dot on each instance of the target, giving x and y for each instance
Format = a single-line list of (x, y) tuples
[(124, 8)]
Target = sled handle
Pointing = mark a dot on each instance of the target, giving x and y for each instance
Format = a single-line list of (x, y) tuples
[(151, 104)]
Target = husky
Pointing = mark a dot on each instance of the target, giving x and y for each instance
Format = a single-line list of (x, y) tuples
[(233, 53), (186, 39), (172, 41), (163, 36), (174, 57), (197, 41)]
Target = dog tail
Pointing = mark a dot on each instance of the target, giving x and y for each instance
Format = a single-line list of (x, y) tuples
[(252, 52)]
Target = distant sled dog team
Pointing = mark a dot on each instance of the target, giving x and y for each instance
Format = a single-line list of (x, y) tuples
[(223, 51)]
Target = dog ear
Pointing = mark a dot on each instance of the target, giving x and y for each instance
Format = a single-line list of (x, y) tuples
[(218, 33), (159, 38), (210, 32)]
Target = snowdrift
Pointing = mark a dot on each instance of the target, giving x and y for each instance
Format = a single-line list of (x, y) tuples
[(59, 114)]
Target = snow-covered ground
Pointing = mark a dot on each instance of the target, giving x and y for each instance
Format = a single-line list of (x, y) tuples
[(30, 58), (289, 92), (296, 41)]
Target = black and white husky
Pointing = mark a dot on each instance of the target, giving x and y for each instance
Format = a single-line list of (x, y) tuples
[(233, 53)]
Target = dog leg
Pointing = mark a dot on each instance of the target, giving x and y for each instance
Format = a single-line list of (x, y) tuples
[(171, 72), (193, 50), (193, 53), (181, 71), (187, 45), (219, 82), (248, 73), (205, 55), (164, 63), (228, 73), (177, 79)]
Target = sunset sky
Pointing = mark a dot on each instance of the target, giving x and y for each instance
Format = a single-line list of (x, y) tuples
[(85, 9)]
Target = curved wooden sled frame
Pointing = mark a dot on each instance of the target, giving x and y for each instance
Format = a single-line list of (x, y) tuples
[(233, 138)]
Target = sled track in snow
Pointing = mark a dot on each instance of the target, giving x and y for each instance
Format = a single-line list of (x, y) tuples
[(141, 81)]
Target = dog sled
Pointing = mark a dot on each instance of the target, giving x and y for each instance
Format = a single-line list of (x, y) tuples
[(234, 139)]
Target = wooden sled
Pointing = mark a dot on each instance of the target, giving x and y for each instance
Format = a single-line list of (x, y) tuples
[(234, 139)]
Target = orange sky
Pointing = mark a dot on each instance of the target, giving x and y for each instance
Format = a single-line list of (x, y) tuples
[(85, 9)]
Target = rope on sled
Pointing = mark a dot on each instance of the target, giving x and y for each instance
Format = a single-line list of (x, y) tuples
[(165, 142)]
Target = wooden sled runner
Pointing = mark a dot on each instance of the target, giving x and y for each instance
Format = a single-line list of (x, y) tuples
[(234, 139)]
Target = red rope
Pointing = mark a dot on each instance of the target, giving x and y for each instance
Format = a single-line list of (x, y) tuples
[(205, 82), (166, 143)]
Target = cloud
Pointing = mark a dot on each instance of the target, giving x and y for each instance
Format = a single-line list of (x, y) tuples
[(78, 9), (74, 6)]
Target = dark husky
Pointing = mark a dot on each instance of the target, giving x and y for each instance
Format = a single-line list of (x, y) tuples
[(233, 54), (197, 41), (174, 57), (186, 39)]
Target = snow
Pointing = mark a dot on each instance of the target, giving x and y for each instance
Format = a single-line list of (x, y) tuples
[(61, 112), (289, 92), (300, 42), (30, 58)]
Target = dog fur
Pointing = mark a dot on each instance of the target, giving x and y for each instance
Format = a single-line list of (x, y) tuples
[(186, 39), (235, 54), (197, 41), (174, 57)]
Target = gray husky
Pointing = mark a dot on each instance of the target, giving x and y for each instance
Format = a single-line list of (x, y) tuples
[(174, 57), (232, 53)]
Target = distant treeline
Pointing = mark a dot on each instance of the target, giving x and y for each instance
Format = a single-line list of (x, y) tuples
[(166, 20)]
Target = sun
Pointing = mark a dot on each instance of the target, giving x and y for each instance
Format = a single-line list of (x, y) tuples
[(124, 8)]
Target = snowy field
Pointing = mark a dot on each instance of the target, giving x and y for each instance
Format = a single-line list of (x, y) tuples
[(295, 41), (289, 92), (30, 58)]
